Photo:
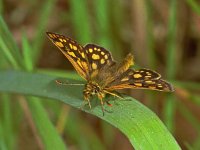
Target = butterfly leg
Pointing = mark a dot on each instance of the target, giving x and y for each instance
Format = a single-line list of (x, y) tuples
[(89, 103), (102, 103), (86, 101), (108, 103)]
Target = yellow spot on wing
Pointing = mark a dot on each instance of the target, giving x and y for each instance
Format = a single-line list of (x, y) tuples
[(102, 53), (106, 56), (95, 48), (125, 79), (148, 73), (148, 76), (78, 61), (71, 54), (59, 44), (90, 50), (61, 40), (138, 84), (137, 75), (94, 66), (70, 45), (95, 57), (74, 47), (50, 35), (84, 64), (102, 61), (160, 85), (83, 55), (149, 82)]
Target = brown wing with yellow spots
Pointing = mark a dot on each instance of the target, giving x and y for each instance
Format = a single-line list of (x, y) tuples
[(98, 59), (140, 79), (73, 51)]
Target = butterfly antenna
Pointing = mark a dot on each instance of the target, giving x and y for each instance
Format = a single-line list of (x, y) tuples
[(65, 83), (113, 94)]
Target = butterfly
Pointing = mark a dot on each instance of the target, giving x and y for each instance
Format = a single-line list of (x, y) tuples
[(104, 75)]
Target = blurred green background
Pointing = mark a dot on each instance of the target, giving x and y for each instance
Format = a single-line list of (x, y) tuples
[(162, 35)]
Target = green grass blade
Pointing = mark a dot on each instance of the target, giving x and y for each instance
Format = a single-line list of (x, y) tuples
[(7, 53), (171, 63), (187, 85), (150, 36), (195, 99), (73, 129), (45, 12), (116, 19), (169, 112), (51, 139), (171, 45), (189, 147), (2, 140), (9, 41), (194, 5), (142, 127), (196, 144), (27, 53), (103, 23), (79, 13), (7, 121), (190, 117), (47, 132)]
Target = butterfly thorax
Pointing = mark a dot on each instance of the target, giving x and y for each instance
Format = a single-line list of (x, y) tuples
[(92, 88)]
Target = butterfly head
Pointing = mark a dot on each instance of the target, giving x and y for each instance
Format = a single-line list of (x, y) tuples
[(91, 88)]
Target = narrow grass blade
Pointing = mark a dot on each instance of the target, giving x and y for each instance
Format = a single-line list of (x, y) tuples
[(190, 117), (79, 13), (47, 132), (73, 129), (7, 121), (187, 85), (194, 5), (103, 23), (2, 140), (171, 63), (150, 36), (7, 53), (27, 53), (9, 41), (45, 11)]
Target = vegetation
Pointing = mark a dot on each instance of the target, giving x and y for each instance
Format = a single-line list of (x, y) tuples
[(33, 110)]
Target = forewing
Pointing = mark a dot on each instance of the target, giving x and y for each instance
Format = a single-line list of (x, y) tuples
[(98, 59), (73, 51)]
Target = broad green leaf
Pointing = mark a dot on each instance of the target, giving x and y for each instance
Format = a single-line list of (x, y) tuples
[(142, 127)]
